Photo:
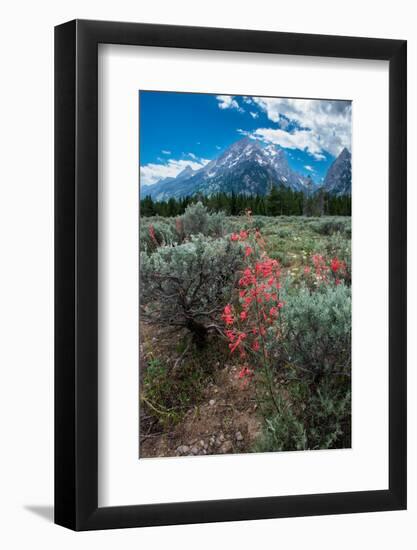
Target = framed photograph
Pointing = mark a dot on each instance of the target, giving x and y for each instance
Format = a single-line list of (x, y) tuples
[(230, 284)]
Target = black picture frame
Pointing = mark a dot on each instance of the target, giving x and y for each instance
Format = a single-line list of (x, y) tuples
[(76, 272)]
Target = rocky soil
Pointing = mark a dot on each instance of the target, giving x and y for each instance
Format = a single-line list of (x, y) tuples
[(226, 421)]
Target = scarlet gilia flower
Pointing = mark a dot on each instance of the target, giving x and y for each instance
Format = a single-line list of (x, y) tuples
[(244, 371), (152, 234), (248, 301), (227, 315), (324, 269), (335, 265), (231, 335), (320, 267), (245, 374), (238, 341), (179, 226), (259, 287), (234, 237)]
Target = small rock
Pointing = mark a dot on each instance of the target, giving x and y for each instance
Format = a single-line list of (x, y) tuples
[(195, 450), (226, 447), (239, 436), (183, 449), (212, 402), (202, 443), (221, 437)]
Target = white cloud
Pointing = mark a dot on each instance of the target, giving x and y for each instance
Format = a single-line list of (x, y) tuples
[(299, 139), (245, 133), (166, 152), (192, 155), (218, 147), (228, 102), (151, 173), (253, 114), (309, 168), (329, 122)]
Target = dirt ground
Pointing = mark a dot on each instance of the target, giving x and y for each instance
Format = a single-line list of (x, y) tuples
[(225, 421)]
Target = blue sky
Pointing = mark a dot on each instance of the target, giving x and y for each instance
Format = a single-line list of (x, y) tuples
[(180, 129)]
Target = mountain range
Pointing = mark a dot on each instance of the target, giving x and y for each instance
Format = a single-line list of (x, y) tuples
[(247, 167)]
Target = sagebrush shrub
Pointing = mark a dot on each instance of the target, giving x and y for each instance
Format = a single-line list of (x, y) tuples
[(330, 226), (195, 220), (313, 363), (316, 330), (187, 285), (198, 220), (156, 232), (282, 431), (310, 417), (217, 224)]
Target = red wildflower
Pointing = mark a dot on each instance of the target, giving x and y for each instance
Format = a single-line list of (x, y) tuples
[(227, 315), (234, 237), (230, 335), (244, 371), (240, 337), (335, 265), (152, 234), (255, 345)]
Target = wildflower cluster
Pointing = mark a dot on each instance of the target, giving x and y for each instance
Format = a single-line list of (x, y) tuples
[(152, 234), (325, 271), (259, 302)]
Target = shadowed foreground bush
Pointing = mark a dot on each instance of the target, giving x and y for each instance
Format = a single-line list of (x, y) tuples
[(186, 286)]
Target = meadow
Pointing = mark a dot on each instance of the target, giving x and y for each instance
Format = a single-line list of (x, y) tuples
[(245, 333)]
